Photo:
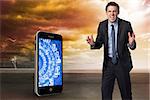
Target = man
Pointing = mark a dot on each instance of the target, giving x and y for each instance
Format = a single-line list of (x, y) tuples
[(117, 36)]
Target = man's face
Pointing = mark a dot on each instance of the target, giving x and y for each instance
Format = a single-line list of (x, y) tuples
[(112, 13)]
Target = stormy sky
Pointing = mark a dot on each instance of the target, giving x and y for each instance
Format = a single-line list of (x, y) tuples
[(74, 20)]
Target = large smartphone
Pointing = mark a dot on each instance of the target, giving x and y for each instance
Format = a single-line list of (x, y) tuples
[(48, 63)]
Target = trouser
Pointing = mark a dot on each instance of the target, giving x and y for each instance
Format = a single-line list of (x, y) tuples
[(112, 72)]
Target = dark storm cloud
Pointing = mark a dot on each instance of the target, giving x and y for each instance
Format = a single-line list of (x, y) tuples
[(19, 17)]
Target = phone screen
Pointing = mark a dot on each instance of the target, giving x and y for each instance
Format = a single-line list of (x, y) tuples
[(49, 62)]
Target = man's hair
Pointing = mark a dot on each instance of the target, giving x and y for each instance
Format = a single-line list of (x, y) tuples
[(112, 4)]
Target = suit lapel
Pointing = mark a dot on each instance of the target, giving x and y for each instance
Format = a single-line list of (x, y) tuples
[(106, 32), (119, 33), (119, 28)]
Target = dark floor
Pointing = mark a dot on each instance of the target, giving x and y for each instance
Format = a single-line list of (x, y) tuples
[(19, 86)]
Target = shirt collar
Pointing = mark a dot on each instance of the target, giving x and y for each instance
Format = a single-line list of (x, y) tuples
[(114, 23)]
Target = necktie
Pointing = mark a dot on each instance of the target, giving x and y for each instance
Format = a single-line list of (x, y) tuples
[(114, 56)]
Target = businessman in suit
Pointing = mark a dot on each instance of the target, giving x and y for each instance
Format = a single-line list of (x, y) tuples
[(116, 35)]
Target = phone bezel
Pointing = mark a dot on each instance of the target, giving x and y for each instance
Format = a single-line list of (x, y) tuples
[(47, 90)]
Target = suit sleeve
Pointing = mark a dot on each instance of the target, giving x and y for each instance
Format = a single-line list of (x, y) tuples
[(133, 46), (99, 39)]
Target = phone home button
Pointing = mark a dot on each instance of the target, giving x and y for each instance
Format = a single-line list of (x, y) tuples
[(50, 89)]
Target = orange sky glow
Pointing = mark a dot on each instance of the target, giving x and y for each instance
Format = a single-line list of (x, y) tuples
[(74, 20)]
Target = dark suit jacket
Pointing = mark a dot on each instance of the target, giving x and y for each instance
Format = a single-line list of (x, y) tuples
[(123, 52)]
